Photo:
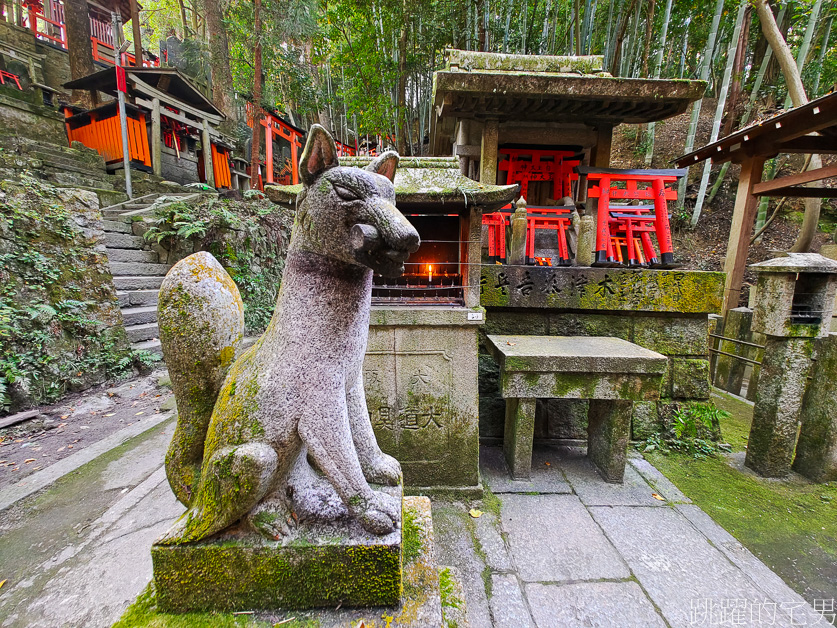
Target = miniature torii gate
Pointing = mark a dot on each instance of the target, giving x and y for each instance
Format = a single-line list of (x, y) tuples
[(811, 128)]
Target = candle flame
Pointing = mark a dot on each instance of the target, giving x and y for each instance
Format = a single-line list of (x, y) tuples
[(430, 272)]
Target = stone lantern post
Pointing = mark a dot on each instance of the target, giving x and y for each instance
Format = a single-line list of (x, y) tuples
[(794, 303)]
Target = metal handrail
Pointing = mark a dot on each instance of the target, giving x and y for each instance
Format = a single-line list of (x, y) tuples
[(732, 355), (740, 342)]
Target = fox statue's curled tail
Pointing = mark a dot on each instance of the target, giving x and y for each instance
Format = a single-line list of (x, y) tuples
[(201, 323)]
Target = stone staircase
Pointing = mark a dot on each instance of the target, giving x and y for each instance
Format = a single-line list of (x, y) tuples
[(64, 166), (137, 271)]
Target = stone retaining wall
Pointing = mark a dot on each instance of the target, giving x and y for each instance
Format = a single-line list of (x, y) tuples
[(663, 310)]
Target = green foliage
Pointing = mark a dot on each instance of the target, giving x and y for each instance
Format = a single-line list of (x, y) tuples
[(694, 430), (249, 238), (57, 305)]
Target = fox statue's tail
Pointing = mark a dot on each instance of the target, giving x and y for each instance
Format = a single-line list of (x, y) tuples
[(201, 320)]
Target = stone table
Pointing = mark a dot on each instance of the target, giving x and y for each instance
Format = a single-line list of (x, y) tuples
[(612, 373)]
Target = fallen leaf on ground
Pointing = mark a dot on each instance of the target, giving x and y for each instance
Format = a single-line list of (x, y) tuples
[(548, 464), (59, 449), (476, 514), (284, 621), (511, 344), (111, 414), (2, 582), (65, 416), (139, 413), (28, 460), (657, 496), (69, 446)]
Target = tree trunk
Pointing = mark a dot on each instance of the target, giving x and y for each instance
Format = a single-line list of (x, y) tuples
[(257, 93), (219, 56), (577, 5), (802, 53), (737, 75), (649, 30), (402, 84), (79, 47), (183, 19), (719, 110), (765, 62), (797, 94), (815, 88), (704, 74), (137, 33), (620, 37), (658, 63)]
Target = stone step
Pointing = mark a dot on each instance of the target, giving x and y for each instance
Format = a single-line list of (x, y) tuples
[(132, 255), (123, 241), (152, 346), (128, 298), (74, 165), (119, 269), (138, 333), (79, 179), (116, 227), (133, 282), (140, 315)]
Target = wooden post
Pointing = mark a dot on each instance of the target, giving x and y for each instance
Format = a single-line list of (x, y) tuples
[(600, 154), (268, 150), (209, 173), (156, 139), (488, 152), (135, 25), (295, 146), (743, 216)]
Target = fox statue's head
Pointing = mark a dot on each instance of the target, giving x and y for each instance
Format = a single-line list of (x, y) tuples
[(349, 213)]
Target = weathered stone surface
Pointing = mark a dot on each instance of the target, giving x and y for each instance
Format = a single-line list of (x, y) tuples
[(297, 394), (729, 372), (665, 552), (544, 477), (508, 609), (589, 324), (468, 60), (561, 418), (510, 322), (487, 533), (609, 426), (587, 483), (491, 402), (660, 483), (235, 572), (779, 397), (586, 241), (519, 436), (553, 539), (690, 378), (592, 605), (795, 295), (816, 451), (671, 335), (601, 289), (421, 383), (645, 420), (567, 354)]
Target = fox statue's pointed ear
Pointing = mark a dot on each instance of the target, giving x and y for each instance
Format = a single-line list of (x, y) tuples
[(385, 164), (319, 155)]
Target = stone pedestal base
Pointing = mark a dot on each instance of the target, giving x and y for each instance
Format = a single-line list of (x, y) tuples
[(781, 387), (317, 566), (608, 429)]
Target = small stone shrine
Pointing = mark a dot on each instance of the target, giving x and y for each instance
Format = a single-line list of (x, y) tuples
[(793, 306), (420, 369)]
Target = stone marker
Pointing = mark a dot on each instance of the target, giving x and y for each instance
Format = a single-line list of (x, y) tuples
[(816, 452), (794, 306), (274, 463)]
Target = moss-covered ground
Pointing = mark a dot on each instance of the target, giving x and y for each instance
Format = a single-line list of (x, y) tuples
[(791, 524)]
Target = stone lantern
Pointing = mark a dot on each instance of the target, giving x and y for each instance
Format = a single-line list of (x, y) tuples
[(794, 303)]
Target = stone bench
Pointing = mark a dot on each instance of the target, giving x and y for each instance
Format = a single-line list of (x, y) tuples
[(612, 373)]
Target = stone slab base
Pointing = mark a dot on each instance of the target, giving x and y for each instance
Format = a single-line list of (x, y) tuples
[(317, 566), (447, 492), (421, 606)]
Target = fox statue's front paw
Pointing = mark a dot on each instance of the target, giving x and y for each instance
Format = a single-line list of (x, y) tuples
[(384, 469), (382, 514)]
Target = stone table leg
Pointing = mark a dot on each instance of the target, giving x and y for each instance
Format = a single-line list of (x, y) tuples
[(608, 431), (782, 382), (518, 436)]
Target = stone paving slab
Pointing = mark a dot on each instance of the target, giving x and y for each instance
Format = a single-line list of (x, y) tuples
[(553, 539), (487, 532), (592, 605), (594, 491), (689, 580), (508, 609), (543, 479), (743, 558), (660, 483)]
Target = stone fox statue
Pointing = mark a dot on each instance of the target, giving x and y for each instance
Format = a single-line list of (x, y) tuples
[(249, 431)]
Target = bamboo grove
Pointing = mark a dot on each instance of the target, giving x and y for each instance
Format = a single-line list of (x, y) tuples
[(366, 66)]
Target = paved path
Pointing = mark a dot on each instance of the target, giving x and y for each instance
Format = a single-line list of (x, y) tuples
[(568, 550), (564, 549)]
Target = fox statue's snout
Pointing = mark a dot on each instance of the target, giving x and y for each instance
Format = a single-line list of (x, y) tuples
[(385, 256)]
